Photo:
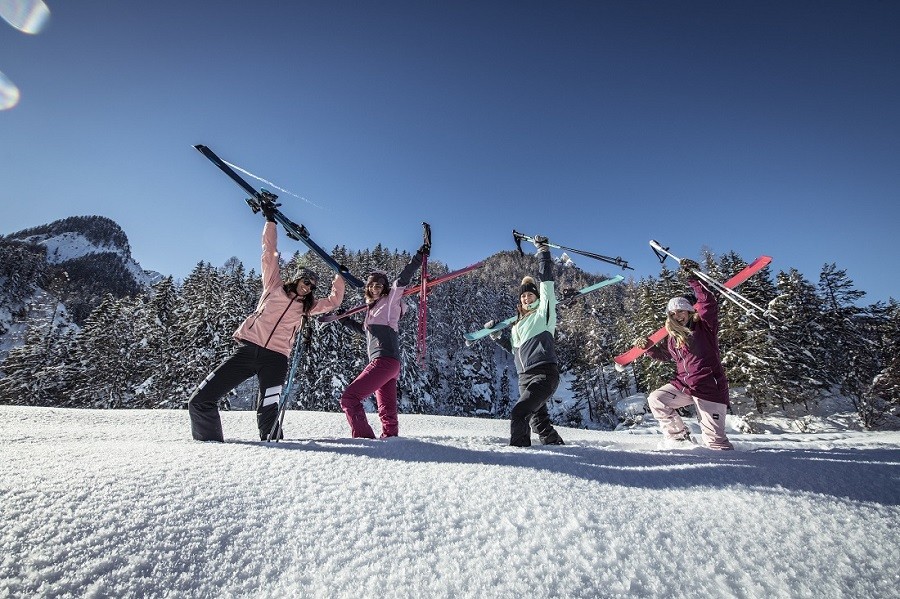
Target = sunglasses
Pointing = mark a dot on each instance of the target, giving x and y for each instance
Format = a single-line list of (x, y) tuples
[(308, 283)]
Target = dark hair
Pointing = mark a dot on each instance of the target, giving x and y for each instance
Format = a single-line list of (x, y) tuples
[(307, 301), (379, 277)]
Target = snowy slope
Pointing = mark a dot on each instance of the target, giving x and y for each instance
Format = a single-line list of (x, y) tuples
[(124, 504)]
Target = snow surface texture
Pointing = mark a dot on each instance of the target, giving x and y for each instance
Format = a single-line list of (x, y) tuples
[(124, 504)]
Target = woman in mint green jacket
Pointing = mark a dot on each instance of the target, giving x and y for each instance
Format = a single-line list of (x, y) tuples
[(531, 342)]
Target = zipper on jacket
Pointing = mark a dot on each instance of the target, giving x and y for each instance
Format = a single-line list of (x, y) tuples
[(278, 322)]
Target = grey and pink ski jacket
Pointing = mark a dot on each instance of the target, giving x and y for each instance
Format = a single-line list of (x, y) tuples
[(381, 326), (698, 365), (279, 314)]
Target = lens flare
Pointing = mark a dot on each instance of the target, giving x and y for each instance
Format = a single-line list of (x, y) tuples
[(28, 16), (9, 93)]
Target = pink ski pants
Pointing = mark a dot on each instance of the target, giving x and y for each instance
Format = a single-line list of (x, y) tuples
[(667, 399)]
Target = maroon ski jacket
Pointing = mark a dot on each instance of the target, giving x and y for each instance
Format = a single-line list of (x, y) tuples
[(698, 365)]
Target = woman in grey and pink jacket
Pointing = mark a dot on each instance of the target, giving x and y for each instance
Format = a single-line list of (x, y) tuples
[(693, 345), (381, 329), (265, 341)]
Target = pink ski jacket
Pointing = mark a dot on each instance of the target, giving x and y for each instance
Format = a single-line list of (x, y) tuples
[(279, 315)]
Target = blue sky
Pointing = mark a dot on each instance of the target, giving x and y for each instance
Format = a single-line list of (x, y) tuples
[(759, 127)]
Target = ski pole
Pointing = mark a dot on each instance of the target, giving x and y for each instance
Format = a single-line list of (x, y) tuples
[(289, 383), (617, 261), (422, 332), (730, 294), (736, 298)]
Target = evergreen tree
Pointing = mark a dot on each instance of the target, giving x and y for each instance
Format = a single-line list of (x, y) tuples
[(39, 372), (652, 374), (887, 384), (202, 336), (743, 335), (791, 370), (157, 328), (105, 351), (853, 359)]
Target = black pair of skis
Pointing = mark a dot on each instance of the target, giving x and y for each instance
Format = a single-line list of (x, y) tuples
[(259, 200), (262, 198)]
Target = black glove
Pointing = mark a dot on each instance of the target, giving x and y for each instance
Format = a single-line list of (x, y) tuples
[(268, 210), (425, 250), (268, 207), (688, 267)]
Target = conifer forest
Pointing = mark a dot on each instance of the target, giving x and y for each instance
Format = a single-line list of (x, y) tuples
[(149, 348)]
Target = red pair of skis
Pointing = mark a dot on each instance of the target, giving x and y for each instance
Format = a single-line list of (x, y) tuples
[(750, 270), (422, 289)]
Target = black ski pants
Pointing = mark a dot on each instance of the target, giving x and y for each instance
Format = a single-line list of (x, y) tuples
[(249, 359), (536, 386)]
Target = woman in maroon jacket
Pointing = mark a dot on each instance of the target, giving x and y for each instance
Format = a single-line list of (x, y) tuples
[(265, 340), (693, 345)]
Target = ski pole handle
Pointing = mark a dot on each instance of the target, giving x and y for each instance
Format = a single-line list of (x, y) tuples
[(518, 237), (663, 252)]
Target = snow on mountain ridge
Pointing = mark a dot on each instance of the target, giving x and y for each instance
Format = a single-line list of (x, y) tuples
[(70, 246)]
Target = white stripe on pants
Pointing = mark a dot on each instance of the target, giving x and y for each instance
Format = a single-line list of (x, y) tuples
[(667, 399)]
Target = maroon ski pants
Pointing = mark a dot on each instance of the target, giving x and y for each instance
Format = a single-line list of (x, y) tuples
[(380, 378)]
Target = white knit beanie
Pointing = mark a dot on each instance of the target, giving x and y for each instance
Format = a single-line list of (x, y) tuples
[(679, 303)]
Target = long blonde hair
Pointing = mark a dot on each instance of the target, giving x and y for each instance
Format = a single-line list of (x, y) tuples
[(680, 333)]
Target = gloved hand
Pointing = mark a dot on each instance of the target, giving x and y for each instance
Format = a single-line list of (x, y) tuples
[(496, 334), (688, 266), (540, 242), (641, 342), (425, 249), (268, 210)]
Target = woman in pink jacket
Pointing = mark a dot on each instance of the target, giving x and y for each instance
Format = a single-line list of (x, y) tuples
[(381, 329), (265, 341)]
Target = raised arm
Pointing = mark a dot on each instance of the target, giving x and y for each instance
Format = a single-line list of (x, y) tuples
[(707, 306), (409, 270), (334, 299), (271, 270)]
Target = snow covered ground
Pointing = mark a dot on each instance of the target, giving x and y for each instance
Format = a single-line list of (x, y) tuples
[(124, 504)]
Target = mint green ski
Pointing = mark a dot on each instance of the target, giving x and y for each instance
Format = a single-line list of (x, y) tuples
[(480, 334)]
